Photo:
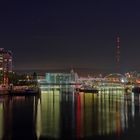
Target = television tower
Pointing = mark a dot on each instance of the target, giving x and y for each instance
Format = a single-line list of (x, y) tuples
[(118, 54)]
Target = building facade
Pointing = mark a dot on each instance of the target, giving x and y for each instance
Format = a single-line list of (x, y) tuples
[(5, 65), (116, 78), (61, 78)]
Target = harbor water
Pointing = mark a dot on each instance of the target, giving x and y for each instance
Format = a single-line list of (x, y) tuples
[(60, 113)]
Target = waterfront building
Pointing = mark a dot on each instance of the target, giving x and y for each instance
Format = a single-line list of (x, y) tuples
[(5, 65), (116, 78), (61, 78)]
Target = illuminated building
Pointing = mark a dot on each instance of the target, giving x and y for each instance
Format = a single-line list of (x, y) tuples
[(5, 65), (116, 78), (61, 78)]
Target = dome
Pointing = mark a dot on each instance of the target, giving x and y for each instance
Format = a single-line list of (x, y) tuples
[(116, 77)]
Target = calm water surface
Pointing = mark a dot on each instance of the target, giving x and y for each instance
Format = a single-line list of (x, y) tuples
[(63, 114)]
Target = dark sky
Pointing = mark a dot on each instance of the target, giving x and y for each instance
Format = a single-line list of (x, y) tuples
[(71, 33)]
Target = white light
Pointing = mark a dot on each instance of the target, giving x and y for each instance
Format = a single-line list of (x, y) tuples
[(122, 80)]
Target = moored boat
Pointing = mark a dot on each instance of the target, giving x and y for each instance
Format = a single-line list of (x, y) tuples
[(88, 90)]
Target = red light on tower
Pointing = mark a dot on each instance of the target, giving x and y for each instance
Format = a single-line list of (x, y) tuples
[(118, 54)]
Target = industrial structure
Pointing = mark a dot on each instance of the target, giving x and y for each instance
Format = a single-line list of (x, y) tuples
[(118, 55)]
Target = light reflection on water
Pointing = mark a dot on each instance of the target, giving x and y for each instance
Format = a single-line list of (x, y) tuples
[(61, 113), (1, 120)]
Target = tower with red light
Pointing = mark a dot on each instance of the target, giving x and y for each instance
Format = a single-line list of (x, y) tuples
[(118, 54)]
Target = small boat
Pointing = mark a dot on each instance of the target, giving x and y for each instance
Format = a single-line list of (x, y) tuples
[(87, 90)]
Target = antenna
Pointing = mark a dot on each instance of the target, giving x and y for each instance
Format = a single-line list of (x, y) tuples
[(118, 54)]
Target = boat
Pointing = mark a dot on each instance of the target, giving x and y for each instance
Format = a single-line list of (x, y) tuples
[(87, 89)]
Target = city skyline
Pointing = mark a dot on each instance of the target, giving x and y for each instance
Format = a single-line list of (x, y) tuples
[(66, 34)]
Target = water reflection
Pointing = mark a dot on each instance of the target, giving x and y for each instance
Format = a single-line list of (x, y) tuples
[(48, 114), (62, 113), (85, 115), (1, 120), (99, 114), (17, 118)]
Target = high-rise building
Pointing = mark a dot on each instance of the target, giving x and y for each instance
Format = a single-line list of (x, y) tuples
[(5, 65)]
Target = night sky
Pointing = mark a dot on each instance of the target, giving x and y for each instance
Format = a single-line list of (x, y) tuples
[(55, 34)]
